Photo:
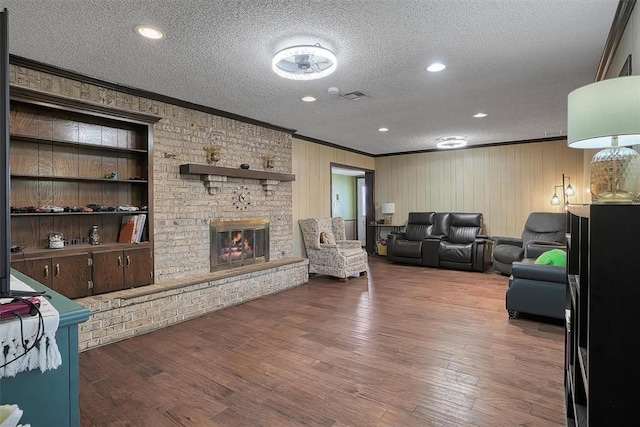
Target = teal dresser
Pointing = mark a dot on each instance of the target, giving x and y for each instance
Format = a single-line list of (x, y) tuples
[(51, 398)]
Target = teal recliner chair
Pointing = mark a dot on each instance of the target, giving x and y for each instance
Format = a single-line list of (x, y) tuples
[(537, 289)]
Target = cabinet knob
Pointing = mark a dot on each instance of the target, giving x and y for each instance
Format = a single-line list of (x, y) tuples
[(57, 270), (119, 262), (128, 261), (46, 271)]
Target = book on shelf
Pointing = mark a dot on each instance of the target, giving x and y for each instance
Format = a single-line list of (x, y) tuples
[(140, 222), (127, 229)]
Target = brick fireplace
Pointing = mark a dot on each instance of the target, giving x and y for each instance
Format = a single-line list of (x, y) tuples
[(183, 206), (238, 243)]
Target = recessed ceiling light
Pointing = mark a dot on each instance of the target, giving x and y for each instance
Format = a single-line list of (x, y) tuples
[(308, 98), (149, 32), (383, 130), (449, 142), (480, 115), (435, 67)]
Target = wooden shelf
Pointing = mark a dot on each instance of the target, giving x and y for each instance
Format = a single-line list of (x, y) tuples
[(195, 169), (33, 140), (214, 176), (29, 253), (79, 213), (71, 178), (61, 149)]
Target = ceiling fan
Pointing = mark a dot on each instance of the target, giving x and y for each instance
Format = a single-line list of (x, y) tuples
[(304, 62)]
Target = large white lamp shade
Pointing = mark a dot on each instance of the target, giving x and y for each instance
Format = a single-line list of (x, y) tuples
[(388, 209), (606, 114), (607, 108)]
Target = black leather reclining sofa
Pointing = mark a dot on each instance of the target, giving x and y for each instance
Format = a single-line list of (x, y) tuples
[(442, 239)]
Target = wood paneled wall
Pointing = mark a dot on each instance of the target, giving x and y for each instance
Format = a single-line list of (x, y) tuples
[(504, 183), (312, 187)]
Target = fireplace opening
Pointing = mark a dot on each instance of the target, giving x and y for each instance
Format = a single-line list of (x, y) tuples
[(237, 243)]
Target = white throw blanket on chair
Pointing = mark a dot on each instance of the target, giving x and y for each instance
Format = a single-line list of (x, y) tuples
[(45, 354)]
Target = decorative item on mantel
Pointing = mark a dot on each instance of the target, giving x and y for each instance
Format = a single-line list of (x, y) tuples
[(269, 162), (213, 154), (606, 114), (245, 166)]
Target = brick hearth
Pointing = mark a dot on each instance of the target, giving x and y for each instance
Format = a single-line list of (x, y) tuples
[(124, 314)]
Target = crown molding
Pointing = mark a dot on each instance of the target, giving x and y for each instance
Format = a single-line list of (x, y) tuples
[(19, 61), (619, 24)]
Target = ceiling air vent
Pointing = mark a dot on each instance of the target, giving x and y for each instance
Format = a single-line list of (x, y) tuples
[(354, 96)]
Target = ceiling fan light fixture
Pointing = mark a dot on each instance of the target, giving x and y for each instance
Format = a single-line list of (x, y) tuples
[(450, 142), (304, 62)]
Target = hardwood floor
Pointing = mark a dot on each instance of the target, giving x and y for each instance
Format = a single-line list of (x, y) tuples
[(402, 346)]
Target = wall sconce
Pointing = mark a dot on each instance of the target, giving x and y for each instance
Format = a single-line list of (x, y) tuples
[(567, 191), (269, 162), (388, 209), (606, 114), (213, 154)]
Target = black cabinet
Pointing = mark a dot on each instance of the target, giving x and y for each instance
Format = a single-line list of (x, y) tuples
[(602, 350)]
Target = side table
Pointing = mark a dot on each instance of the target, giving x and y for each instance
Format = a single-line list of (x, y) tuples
[(378, 232)]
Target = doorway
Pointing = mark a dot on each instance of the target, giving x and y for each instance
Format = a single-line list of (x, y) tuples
[(352, 199)]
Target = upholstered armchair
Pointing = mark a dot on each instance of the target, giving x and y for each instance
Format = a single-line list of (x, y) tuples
[(542, 231), (328, 251)]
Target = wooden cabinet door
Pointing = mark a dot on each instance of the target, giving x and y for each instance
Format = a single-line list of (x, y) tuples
[(39, 269), (138, 269), (71, 275), (108, 271)]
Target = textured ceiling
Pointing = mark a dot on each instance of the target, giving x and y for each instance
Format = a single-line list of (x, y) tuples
[(515, 60)]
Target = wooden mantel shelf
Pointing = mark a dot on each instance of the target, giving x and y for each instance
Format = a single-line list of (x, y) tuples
[(213, 176), (193, 169)]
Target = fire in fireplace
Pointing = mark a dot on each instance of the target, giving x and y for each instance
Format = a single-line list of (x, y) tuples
[(236, 243)]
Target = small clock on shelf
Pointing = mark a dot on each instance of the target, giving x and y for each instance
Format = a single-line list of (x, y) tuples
[(242, 198)]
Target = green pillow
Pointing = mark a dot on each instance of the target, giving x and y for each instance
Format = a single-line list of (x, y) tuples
[(553, 257)]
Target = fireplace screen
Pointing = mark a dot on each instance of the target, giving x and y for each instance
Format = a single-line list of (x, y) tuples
[(236, 243)]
